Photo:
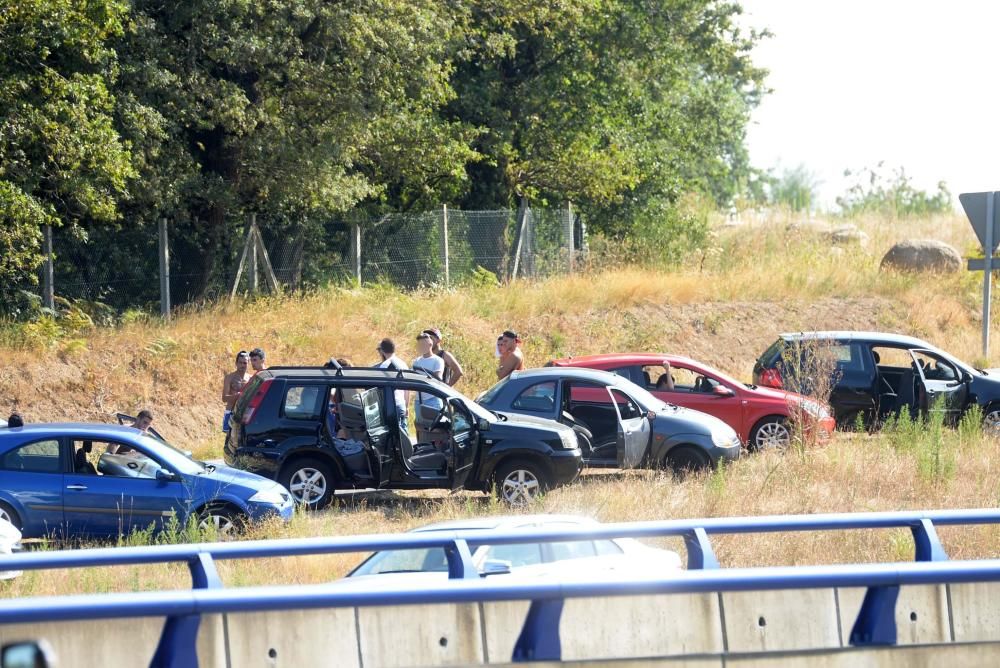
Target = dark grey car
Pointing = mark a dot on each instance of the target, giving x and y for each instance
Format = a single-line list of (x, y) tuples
[(618, 423)]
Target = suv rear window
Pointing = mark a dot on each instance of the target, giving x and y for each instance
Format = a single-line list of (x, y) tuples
[(244, 398), (303, 402), (771, 355)]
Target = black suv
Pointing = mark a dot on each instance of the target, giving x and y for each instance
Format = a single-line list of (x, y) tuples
[(877, 376), (316, 430)]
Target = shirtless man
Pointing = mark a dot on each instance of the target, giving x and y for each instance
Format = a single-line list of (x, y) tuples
[(453, 371), (232, 385), (511, 357), (257, 360)]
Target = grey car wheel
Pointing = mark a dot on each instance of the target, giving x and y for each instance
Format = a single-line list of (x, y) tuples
[(771, 434), (6, 513), (223, 521), (519, 483), (310, 482), (991, 420)]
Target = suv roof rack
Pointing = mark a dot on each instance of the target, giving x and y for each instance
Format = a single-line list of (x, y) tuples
[(400, 373)]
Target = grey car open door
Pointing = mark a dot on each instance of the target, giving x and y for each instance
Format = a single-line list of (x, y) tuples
[(634, 432)]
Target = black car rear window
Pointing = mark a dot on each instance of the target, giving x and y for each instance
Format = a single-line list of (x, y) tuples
[(244, 399), (772, 354)]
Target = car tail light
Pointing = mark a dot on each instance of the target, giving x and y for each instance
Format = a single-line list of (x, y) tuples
[(255, 401), (771, 378)]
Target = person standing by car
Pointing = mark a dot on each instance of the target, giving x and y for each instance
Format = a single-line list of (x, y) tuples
[(453, 371), (428, 406), (387, 351), (232, 385), (15, 420), (511, 357), (143, 421), (257, 360)]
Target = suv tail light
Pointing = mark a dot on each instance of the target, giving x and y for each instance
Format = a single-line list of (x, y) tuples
[(771, 378), (255, 401)]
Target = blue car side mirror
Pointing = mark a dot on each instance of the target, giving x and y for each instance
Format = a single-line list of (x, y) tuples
[(165, 475)]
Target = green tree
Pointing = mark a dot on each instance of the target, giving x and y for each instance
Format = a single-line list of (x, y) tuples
[(61, 159), (891, 194), (796, 188)]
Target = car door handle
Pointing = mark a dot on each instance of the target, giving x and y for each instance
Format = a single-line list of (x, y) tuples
[(76, 488)]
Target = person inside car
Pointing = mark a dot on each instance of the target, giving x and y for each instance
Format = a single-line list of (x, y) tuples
[(665, 383), (80, 462)]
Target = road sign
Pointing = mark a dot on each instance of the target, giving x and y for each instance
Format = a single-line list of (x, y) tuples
[(975, 205), (983, 209)]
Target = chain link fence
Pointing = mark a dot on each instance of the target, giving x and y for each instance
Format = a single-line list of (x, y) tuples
[(445, 247)]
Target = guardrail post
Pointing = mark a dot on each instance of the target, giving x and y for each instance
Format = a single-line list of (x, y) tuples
[(460, 564), (178, 646), (928, 545), (699, 549), (539, 638), (876, 622)]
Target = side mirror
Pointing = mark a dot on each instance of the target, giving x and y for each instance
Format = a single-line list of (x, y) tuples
[(30, 654), (495, 567), (722, 391), (165, 475), (482, 424)]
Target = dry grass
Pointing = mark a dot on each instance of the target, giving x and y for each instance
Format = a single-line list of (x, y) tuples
[(724, 306)]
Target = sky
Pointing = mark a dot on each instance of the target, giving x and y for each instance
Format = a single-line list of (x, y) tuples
[(913, 84)]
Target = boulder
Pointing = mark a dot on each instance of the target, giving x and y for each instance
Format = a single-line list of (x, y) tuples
[(810, 226), (848, 235), (922, 255)]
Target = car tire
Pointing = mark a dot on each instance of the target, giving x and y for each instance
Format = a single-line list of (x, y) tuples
[(684, 459), (226, 522), (310, 482), (771, 433), (991, 419), (8, 513), (519, 482)]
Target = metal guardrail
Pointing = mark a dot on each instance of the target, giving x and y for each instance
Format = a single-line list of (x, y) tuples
[(539, 639)]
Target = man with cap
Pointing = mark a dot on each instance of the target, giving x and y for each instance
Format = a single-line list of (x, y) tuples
[(452, 369)]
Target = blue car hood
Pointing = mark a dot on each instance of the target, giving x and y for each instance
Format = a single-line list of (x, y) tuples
[(226, 477)]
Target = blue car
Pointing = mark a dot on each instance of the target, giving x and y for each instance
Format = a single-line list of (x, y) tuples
[(79, 480)]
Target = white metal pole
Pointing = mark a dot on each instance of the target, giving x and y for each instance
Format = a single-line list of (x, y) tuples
[(988, 272)]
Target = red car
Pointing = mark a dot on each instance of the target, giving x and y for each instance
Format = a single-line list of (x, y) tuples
[(762, 416)]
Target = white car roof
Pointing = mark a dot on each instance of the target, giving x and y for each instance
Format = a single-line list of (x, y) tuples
[(505, 522)]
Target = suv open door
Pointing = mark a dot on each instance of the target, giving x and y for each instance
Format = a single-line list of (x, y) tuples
[(464, 442), (943, 385), (379, 434), (634, 432)]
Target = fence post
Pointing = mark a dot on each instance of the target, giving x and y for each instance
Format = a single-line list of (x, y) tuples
[(522, 218), (569, 234), (444, 245), (164, 271), (253, 256), (48, 274), (356, 251)]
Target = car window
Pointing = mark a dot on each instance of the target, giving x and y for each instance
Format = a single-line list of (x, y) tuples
[(606, 547), (37, 457), (934, 368), (303, 402), (487, 397), (404, 561), (538, 398), (574, 549), (120, 460), (460, 423), (888, 356), (626, 406), (525, 554)]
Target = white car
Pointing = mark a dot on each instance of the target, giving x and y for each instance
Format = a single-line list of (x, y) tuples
[(10, 542), (522, 559)]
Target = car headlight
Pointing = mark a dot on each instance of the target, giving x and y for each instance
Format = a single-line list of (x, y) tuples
[(722, 438), (814, 409), (569, 441), (271, 496)]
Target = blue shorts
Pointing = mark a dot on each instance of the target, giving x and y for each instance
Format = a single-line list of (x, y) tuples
[(225, 421)]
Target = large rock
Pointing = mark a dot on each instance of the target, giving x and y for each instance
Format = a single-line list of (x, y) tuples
[(922, 255), (848, 235)]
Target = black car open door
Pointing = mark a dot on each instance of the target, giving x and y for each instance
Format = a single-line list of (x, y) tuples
[(464, 444), (942, 386), (379, 434)]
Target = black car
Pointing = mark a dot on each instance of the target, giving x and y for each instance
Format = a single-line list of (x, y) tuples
[(317, 430), (618, 423), (875, 376)]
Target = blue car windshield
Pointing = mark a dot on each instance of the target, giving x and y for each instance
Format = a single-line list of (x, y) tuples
[(169, 456)]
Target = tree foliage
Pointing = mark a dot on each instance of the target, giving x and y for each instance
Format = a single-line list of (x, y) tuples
[(203, 112), (891, 194)]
